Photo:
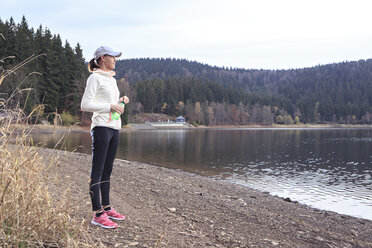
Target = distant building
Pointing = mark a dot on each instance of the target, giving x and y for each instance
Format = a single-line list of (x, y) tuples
[(180, 122), (180, 119)]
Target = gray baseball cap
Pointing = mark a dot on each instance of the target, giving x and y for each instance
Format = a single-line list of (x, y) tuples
[(105, 50)]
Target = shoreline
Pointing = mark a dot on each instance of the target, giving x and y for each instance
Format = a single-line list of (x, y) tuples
[(174, 208), (253, 126), (44, 128)]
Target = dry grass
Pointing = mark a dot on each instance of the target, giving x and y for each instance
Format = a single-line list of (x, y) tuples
[(29, 216)]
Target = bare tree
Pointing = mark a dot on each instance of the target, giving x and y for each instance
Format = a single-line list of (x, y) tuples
[(243, 114), (198, 113)]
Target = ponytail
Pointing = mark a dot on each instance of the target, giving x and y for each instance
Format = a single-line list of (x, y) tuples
[(93, 64)]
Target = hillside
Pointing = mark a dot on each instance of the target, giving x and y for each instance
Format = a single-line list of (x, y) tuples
[(339, 92)]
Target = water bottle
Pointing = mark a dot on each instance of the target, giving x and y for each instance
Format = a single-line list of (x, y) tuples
[(116, 115)]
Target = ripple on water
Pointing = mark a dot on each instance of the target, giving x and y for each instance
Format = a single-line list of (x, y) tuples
[(330, 189)]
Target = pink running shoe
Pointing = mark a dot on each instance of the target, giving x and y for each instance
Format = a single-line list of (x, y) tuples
[(112, 214), (103, 221)]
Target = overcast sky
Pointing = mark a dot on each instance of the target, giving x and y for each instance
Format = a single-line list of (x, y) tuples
[(251, 34)]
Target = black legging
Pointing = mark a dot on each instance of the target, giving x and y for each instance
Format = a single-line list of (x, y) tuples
[(104, 145)]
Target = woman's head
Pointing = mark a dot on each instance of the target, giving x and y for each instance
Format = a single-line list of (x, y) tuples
[(104, 58)]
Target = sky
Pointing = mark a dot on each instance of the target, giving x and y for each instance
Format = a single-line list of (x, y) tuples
[(249, 34)]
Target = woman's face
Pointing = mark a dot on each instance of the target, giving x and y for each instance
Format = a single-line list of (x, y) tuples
[(108, 62)]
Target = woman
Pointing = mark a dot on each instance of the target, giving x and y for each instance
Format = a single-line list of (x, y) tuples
[(101, 96)]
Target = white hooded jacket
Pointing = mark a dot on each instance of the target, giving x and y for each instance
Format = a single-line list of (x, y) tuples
[(100, 92)]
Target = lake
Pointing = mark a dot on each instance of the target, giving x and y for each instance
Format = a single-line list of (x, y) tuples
[(328, 169)]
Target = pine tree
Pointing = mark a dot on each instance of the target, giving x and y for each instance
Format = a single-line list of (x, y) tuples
[(23, 41), (10, 35), (10, 84), (52, 73), (69, 100), (3, 47)]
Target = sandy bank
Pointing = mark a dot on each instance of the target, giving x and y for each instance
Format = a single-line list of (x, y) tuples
[(171, 208)]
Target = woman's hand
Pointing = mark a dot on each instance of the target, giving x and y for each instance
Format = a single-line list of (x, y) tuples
[(124, 99), (117, 108)]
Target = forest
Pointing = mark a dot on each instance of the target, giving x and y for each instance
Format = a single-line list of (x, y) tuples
[(332, 93), (52, 73), (45, 71)]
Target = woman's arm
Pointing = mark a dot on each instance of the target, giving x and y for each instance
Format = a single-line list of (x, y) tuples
[(88, 102)]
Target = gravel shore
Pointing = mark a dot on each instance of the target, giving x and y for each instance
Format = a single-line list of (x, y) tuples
[(171, 208)]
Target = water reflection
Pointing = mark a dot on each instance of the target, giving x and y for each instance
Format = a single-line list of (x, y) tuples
[(79, 142), (325, 168)]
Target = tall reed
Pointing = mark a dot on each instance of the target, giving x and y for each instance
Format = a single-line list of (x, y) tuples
[(29, 216)]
